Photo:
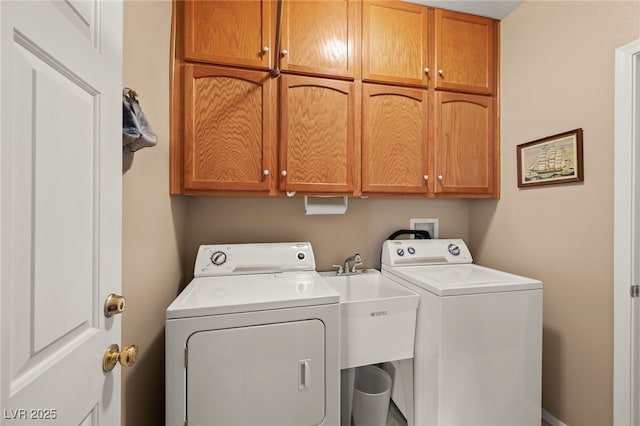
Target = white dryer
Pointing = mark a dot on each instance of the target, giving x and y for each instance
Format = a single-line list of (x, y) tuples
[(254, 340), (478, 348)]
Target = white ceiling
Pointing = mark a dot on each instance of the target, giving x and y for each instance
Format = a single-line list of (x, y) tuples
[(496, 9)]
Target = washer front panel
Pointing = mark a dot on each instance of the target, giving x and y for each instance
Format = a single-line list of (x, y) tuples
[(259, 375), (179, 331)]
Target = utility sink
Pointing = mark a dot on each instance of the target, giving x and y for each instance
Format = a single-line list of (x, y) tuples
[(377, 318)]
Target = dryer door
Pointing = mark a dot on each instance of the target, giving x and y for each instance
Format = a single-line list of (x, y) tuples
[(260, 375)]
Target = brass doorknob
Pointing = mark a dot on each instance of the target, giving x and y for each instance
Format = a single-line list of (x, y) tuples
[(114, 305), (113, 355)]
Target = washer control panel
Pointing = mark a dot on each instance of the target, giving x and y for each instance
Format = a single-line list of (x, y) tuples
[(425, 252), (230, 259)]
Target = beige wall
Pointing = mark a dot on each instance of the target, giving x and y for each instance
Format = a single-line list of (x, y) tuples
[(152, 221), (557, 75), (334, 237)]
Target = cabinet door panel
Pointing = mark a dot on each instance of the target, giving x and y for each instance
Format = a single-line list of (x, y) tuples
[(226, 128), (317, 142), (319, 37), (228, 32), (465, 52), (464, 144), (394, 36), (394, 139)]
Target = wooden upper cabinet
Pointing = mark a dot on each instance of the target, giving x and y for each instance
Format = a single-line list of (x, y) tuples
[(465, 148), (395, 43), (228, 32), (465, 58), (394, 139), (227, 129), (318, 150), (320, 37)]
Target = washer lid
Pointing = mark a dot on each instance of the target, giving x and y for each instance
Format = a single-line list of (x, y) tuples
[(247, 293), (452, 280)]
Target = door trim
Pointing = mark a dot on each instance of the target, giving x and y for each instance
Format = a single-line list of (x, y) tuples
[(626, 213)]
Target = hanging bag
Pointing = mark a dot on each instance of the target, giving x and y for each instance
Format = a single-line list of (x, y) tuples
[(136, 130)]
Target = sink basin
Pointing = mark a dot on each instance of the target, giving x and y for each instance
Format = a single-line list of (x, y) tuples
[(377, 318)]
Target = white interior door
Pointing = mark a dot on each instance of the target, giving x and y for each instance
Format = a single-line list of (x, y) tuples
[(626, 377), (60, 221)]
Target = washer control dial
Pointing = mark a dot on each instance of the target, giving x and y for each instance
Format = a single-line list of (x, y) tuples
[(218, 258), (454, 249), (411, 250), (400, 252)]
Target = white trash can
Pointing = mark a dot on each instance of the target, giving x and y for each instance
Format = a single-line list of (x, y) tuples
[(371, 396)]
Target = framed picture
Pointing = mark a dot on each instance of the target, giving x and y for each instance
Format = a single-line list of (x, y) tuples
[(551, 160)]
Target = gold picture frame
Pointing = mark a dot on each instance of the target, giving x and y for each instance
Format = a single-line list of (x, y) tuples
[(552, 160)]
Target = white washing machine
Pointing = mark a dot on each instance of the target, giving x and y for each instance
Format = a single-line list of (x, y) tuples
[(254, 340), (478, 348)]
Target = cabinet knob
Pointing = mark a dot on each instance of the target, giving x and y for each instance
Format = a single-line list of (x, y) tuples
[(440, 178), (265, 49), (440, 72), (426, 70), (283, 173), (265, 172), (425, 177), (284, 52)]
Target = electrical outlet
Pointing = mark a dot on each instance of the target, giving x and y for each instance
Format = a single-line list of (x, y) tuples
[(429, 225)]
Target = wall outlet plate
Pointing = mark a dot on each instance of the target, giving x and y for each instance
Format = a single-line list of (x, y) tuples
[(429, 225)]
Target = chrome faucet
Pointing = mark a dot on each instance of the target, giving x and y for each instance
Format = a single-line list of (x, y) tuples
[(357, 261), (346, 270)]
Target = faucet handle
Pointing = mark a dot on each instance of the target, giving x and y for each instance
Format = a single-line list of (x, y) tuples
[(357, 262), (339, 271)]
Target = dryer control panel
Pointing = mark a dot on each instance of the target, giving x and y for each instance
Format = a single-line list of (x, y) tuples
[(425, 252), (231, 259)]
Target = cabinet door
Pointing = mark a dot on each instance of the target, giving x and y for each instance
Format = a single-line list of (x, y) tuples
[(464, 144), (319, 37), (317, 135), (394, 139), (465, 52), (227, 129), (394, 42), (228, 32)]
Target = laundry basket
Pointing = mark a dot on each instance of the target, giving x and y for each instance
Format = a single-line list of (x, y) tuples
[(371, 396)]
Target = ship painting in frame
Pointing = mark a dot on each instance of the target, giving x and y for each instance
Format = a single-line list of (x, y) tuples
[(551, 160)]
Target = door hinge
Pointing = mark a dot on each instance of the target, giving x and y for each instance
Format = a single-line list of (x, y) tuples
[(186, 357), (635, 290)]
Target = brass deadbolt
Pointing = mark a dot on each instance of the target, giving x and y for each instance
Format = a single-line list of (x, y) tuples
[(114, 305), (113, 355)]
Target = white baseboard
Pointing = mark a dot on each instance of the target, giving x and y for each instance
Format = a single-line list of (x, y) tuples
[(551, 419)]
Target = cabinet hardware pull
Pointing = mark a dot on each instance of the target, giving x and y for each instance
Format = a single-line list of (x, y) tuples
[(426, 70), (265, 49), (284, 52), (283, 173), (441, 73), (440, 177), (426, 177)]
